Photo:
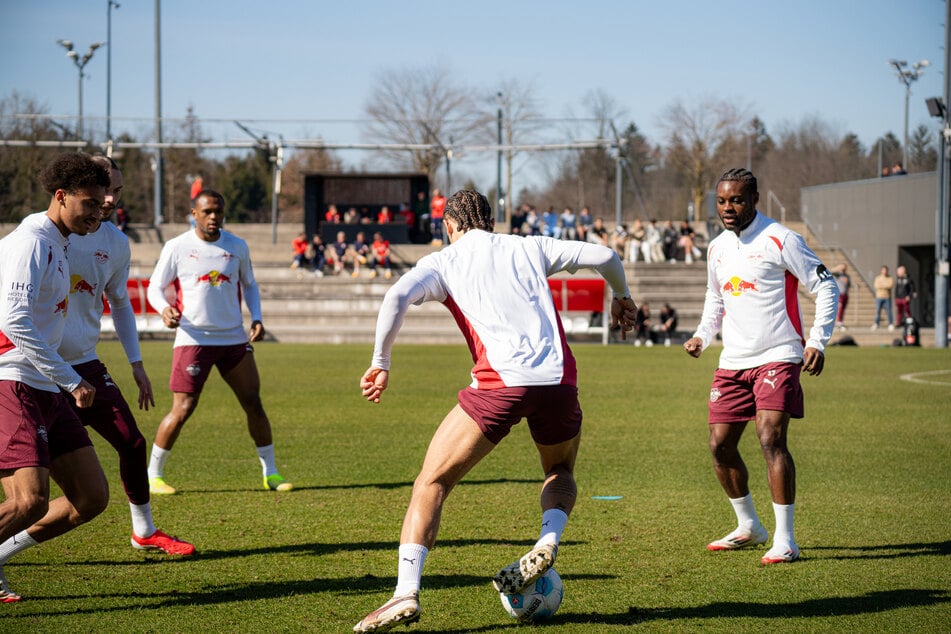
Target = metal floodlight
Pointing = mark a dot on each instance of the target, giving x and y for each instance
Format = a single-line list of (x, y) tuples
[(936, 107), (67, 44), (72, 54)]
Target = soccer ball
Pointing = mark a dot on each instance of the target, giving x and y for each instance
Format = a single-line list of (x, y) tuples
[(537, 602)]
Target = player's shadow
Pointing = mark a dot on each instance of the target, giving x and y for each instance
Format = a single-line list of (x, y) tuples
[(311, 549), (868, 603), (367, 485), (882, 551)]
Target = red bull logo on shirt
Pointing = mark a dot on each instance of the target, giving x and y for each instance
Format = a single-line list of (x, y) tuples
[(736, 286), (215, 278), (78, 285), (61, 306)]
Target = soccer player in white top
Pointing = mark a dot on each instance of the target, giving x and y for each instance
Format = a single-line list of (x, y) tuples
[(209, 270), (40, 434), (99, 266), (496, 287), (753, 272)]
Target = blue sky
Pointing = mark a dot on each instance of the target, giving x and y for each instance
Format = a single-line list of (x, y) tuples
[(317, 60)]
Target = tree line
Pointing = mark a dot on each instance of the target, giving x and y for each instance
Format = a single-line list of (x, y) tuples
[(429, 107)]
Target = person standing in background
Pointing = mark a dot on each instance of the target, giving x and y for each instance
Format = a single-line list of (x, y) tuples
[(884, 283), (904, 292), (844, 284)]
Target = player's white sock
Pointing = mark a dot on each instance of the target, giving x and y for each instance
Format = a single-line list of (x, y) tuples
[(266, 454), (142, 523), (157, 461), (410, 569), (746, 516), (553, 525), (784, 524), (16, 544)]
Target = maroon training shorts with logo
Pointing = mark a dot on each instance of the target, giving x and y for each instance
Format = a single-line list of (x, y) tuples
[(553, 411), (736, 395), (191, 365), (36, 426)]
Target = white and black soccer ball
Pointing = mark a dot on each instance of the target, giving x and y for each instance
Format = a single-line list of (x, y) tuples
[(536, 602)]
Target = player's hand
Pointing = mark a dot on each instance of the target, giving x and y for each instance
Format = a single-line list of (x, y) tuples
[(373, 383), (813, 361), (257, 331), (623, 314), (146, 397), (83, 394), (694, 346), (171, 317)]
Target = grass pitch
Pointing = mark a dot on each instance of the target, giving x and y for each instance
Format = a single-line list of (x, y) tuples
[(873, 517)]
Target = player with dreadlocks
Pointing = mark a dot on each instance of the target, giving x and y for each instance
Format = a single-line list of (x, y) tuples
[(496, 288), (753, 271)]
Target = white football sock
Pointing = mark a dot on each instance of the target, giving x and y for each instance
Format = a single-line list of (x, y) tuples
[(157, 461), (142, 523), (784, 524), (266, 454), (410, 570), (16, 544), (553, 524), (746, 517)]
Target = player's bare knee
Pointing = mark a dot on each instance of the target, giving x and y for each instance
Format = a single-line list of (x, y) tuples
[(92, 502)]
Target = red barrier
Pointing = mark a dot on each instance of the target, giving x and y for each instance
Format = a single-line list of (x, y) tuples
[(587, 295)]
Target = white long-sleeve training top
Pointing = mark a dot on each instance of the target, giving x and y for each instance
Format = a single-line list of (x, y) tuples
[(98, 265), (34, 298), (209, 280), (752, 282), (496, 287)]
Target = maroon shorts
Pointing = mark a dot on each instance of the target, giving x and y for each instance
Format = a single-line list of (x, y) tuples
[(109, 406), (191, 365), (36, 426), (553, 411), (736, 395)]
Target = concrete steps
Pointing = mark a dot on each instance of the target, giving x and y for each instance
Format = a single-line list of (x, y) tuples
[(301, 308)]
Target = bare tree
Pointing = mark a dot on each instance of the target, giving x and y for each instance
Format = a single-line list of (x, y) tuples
[(422, 106), (703, 139), (20, 192)]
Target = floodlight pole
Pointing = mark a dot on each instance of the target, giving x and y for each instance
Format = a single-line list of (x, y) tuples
[(80, 63), (500, 207), (943, 210), (159, 176), (109, 8), (907, 77)]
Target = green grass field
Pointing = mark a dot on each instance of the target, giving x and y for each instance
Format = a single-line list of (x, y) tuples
[(873, 511)]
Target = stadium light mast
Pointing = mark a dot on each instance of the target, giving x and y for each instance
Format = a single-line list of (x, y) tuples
[(80, 63), (159, 171), (907, 76), (109, 8), (938, 108), (500, 206)]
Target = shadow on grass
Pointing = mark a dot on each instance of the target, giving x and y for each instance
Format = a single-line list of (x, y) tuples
[(367, 485), (247, 592), (868, 603), (885, 551), (310, 550)]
